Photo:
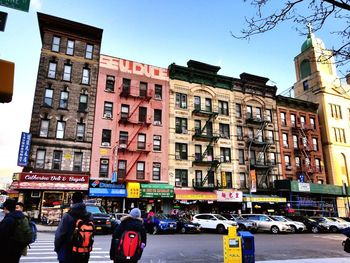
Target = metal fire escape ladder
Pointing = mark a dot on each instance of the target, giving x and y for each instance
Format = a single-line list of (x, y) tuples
[(267, 145), (303, 150), (136, 107), (134, 135), (132, 166), (262, 180), (212, 168)]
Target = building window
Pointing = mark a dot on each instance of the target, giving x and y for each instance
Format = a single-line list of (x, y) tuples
[(243, 180), (89, 51), (124, 111), (249, 112), (283, 118), (224, 130), (197, 127), (239, 133), (121, 174), (44, 128), (123, 139), (157, 117), (106, 137), (287, 162), (180, 125), (268, 115), (83, 103), (52, 70), (48, 97), (258, 113), (336, 111), (40, 159), (157, 143), (70, 47), (223, 107), (64, 99), (56, 160), (208, 105), (61, 126), (293, 120), (318, 164), (108, 110), (158, 92), (143, 89), (302, 121), (225, 155), (180, 151), (142, 114), (312, 123), (198, 153), (126, 86), (104, 165), (110, 81), (56, 44), (295, 142), (250, 133), (140, 170), (297, 161), (314, 144), (67, 71), (272, 158), (238, 111), (197, 103), (241, 156), (339, 135), (181, 178), (78, 162), (80, 131), (156, 172), (141, 141), (228, 180), (305, 85), (180, 101), (285, 140), (86, 76)]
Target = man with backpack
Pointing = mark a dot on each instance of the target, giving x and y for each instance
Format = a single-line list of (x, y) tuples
[(75, 233), (15, 233), (129, 238)]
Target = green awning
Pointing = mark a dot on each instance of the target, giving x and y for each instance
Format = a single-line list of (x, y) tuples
[(157, 191)]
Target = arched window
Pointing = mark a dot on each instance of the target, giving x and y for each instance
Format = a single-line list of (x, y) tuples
[(305, 69)]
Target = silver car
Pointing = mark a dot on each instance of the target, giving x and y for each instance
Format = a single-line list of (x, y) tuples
[(266, 223), (332, 225), (296, 226)]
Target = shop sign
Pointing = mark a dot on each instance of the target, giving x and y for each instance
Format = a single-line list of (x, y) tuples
[(24, 148), (157, 191), (304, 187), (265, 199), (252, 181), (54, 178), (52, 186), (105, 188), (133, 190), (193, 195), (229, 196)]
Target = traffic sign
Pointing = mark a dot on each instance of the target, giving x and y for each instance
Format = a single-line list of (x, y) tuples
[(22, 5)]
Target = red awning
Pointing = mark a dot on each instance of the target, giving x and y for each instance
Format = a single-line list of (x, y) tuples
[(190, 194)]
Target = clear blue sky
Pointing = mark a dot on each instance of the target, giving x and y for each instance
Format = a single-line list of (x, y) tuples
[(157, 32)]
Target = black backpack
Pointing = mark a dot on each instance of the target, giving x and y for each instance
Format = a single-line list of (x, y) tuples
[(23, 232), (346, 245)]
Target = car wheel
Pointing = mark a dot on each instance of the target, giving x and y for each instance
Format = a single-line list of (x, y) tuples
[(314, 229), (333, 229), (220, 229), (241, 227), (183, 230), (275, 230), (155, 230), (294, 229)]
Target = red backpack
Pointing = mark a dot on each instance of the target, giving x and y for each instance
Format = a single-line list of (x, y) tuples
[(83, 236), (129, 247)]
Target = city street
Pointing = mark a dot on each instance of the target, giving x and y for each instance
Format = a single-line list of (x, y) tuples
[(206, 248)]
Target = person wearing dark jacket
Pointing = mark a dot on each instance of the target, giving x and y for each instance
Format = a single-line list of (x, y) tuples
[(131, 222), (65, 229), (10, 250)]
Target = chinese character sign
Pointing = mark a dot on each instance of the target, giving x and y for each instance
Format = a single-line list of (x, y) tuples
[(24, 149)]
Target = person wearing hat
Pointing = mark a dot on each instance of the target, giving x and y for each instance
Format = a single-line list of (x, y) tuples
[(10, 250), (131, 222)]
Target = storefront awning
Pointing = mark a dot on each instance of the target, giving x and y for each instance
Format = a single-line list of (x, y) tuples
[(263, 199), (190, 194)]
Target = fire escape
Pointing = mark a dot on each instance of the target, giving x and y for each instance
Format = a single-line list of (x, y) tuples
[(260, 146), (206, 159), (139, 122), (304, 149)]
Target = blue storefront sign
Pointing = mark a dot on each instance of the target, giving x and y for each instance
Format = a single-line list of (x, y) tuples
[(24, 149), (104, 188)]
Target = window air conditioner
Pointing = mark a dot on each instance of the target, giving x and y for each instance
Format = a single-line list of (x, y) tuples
[(157, 96), (106, 144), (157, 123), (108, 115), (122, 146), (104, 161), (178, 184)]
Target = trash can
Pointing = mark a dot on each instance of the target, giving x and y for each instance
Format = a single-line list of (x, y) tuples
[(232, 246), (248, 246)]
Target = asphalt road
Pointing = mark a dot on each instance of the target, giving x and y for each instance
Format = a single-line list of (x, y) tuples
[(205, 248)]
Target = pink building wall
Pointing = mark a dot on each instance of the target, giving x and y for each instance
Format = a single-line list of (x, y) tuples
[(136, 72)]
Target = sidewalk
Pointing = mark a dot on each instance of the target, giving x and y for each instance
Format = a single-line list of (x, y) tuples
[(309, 260)]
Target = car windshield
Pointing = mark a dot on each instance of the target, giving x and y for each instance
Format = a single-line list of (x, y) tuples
[(96, 209), (279, 218), (220, 217), (336, 219)]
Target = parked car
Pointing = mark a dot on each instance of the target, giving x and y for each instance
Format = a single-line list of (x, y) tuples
[(266, 223), (213, 221), (242, 223), (331, 225), (311, 225), (102, 220), (295, 225), (184, 225), (161, 223), (341, 221)]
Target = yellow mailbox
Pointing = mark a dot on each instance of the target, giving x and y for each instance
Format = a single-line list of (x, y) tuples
[(232, 246)]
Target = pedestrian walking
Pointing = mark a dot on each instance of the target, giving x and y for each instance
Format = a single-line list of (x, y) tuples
[(76, 223), (15, 233), (129, 238)]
